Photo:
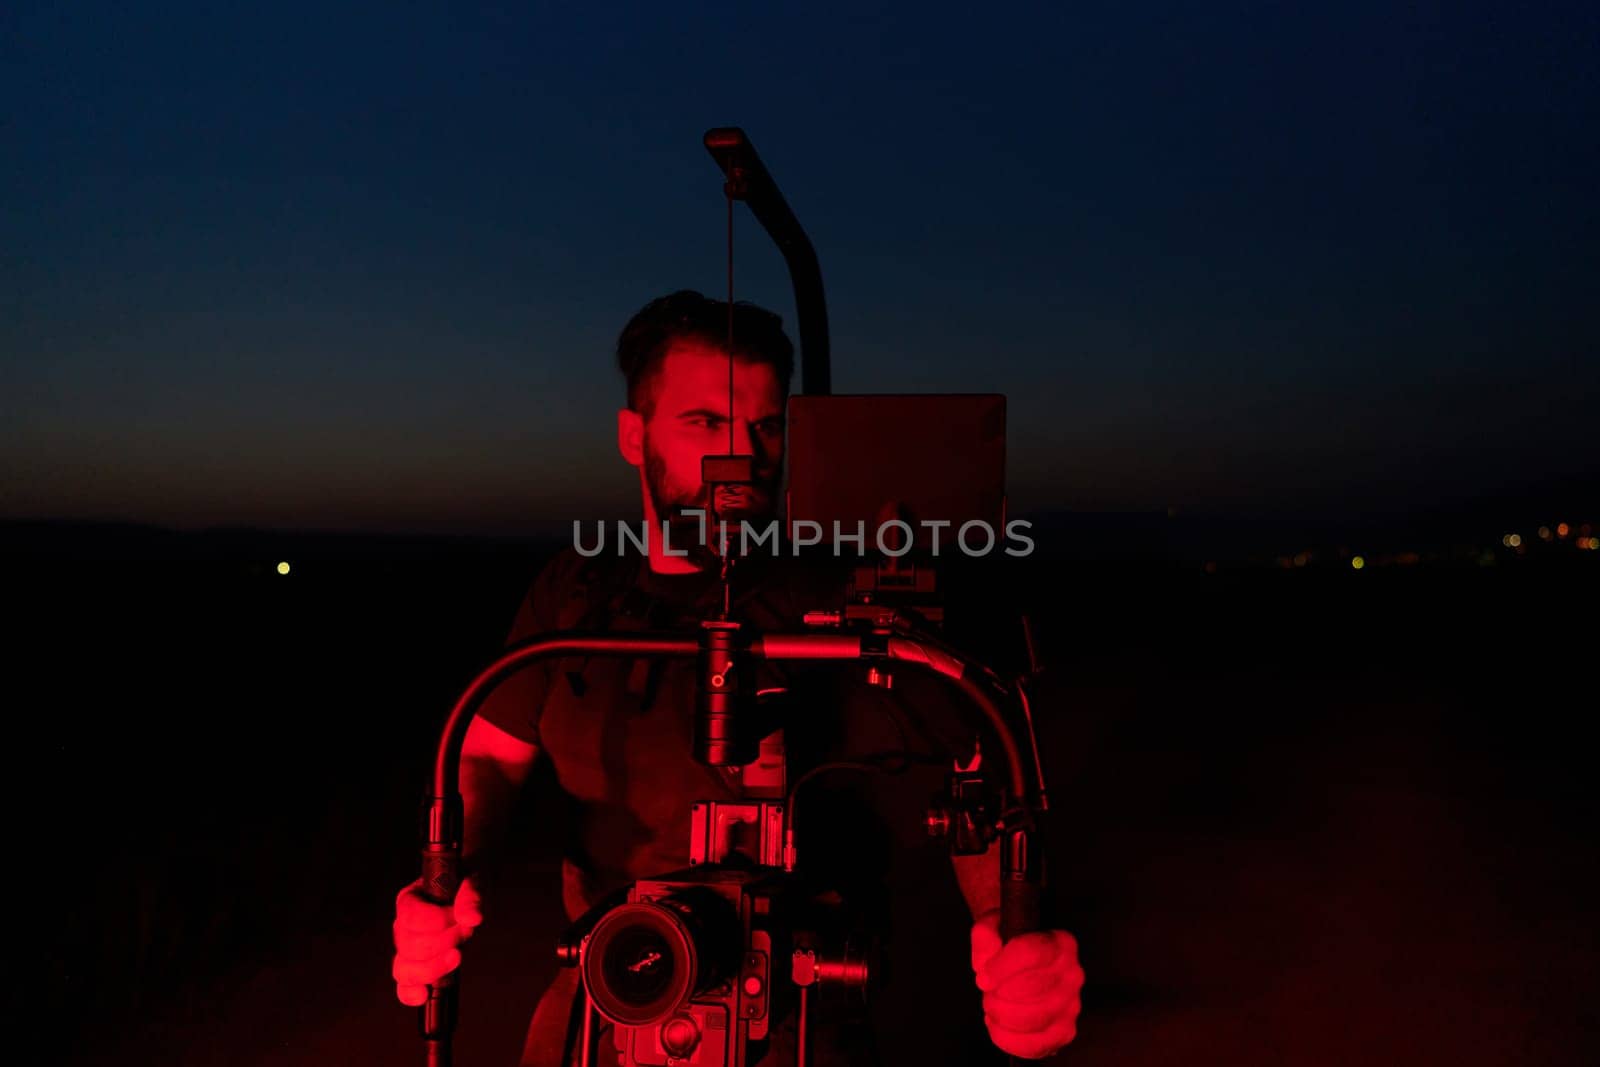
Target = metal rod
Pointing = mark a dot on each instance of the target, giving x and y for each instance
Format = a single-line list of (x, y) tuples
[(587, 1054), (749, 180), (800, 1030)]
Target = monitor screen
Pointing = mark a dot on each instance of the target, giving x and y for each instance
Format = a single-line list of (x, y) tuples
[(928, 458)]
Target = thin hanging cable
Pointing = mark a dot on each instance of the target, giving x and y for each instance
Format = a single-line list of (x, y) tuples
[(727, 586)]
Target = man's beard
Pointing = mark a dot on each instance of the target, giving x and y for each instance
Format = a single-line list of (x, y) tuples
[(734, 504)]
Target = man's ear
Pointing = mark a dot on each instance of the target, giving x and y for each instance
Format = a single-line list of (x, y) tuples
[(630, 436)]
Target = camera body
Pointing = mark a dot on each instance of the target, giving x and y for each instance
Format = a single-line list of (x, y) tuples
[(686, 965), (684, 968)]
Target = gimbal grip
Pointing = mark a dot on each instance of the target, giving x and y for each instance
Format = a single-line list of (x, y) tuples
[(1019, 908), (1021, 884), (441, 874), (436, 1020)]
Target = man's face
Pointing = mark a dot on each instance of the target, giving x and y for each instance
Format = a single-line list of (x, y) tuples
[(689, 420)]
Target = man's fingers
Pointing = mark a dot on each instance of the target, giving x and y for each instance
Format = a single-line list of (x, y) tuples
[(427, 936), (414, 912), (1027, 986), (468, 907), (1032, 1046), (1025, 953), (467, 919), (412, 994), (411, 945), (985, 942), (422, 972), (1030, 1017)]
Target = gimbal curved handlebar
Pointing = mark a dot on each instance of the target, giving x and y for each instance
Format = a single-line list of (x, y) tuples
[(441, 849)]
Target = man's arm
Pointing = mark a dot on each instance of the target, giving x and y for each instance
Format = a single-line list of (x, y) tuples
[(1031, 983), (428, 936), (494, 767), (495, 764), (979, 878)]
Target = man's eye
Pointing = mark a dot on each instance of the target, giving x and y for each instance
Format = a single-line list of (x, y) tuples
[(708, 421), (770, 427)]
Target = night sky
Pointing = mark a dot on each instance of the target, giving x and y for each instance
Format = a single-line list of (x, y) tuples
[(364, 269)]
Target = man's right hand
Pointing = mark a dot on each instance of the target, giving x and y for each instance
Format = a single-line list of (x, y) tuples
[(427, 938)]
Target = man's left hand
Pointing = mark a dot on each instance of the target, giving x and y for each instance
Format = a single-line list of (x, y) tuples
[(1030, 988)]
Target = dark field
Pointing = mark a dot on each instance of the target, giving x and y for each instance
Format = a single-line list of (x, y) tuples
[(1301, 816)]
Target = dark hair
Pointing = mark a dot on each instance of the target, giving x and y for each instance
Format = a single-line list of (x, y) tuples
[(758, 337)]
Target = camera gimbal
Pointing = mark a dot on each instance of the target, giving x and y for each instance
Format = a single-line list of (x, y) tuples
[(668, 916), (675, 951)]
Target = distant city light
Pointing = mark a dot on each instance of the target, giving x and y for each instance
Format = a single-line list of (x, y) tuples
[(1562, 529), (1544, 533), (283, 568), (1358, 563), (1513, 540)]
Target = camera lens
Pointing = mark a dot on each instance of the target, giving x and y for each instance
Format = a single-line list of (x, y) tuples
[(640, 964), (645, 959)]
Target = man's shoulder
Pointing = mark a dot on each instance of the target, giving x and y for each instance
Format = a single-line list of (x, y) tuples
[(569, 571), (565, 586), (562, 567)]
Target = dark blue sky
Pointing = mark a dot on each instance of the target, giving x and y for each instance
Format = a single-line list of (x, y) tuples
[(364, 268)]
